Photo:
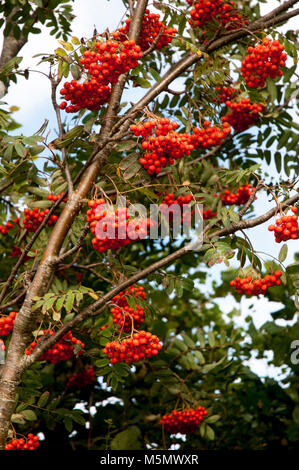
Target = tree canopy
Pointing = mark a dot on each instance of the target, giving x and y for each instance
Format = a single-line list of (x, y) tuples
[(112, 335)]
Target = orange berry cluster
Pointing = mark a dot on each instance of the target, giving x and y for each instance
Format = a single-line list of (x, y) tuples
[(116, 223), (7, 323), (184, 422), (151, 27), (53, 198), (263, 60), (209, 136), (33, 218), (31, 443), (166, 145), (286, 227), (89, 94), (127, 317), (140, 346), (181, 203), (61, 351), (250, 286), (240, 197), (104, 64), (243, 114), (82, 379), (224, 12)]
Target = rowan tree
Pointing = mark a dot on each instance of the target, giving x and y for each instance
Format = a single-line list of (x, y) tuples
[(116, 342)]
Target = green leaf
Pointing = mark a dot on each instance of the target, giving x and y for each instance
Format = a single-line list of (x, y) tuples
[(20, 149), (209, 434), (143, 82), (130, 439), (43, 399), (283, 253), (29, 415), (69, 302)]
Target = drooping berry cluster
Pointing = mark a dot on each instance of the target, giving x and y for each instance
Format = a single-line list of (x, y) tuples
[(140, 346), (184, 422), (53, 198), (82, 379), (286, 227), (163, 148), (7, 323), (206, 12), (243, 114), (30, 443), (128, 318), (150, 29), (33, 218), (89, 94), (163, 145), (250, 286), (209, 136), (263, 60), (113, 228), (104, 64), (61, 351), (240, 197)]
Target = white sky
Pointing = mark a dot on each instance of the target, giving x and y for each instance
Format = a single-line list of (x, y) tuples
[(33, 98)]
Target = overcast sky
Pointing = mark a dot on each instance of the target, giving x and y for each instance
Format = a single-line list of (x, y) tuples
[(33, 98)]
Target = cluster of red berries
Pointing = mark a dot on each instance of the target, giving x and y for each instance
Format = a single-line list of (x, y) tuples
[(128, 318), (140, 346), (4, 229), (30, 443), (243, 114), (208, 214), (104, 64), (240, 197), (7, 323), (113, 228), (286, 227), (61, 351), (209, 136), (184, 422), (53, 198), (33, 218), (89, 94), (263, 60), (150, 29), (207, 11), (250, 286), (82, 379), (163, 145), (226, 93), (181, 203)]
